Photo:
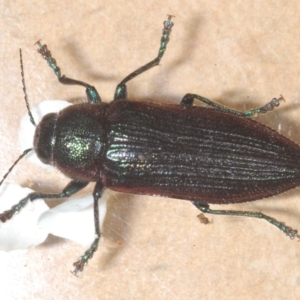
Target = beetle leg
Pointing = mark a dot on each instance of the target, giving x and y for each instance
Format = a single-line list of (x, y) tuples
[(121, 90), (292, 233), (79, 265), (91, 92), (72, 188), (188, 101)]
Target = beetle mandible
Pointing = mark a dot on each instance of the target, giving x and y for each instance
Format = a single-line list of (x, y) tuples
[(207, 155)]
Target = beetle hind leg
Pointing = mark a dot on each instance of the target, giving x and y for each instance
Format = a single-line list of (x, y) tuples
[(292, 233), (188, 101)]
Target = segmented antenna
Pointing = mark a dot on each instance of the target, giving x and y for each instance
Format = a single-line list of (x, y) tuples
[(30, 116), (10, 169), (24, 90)]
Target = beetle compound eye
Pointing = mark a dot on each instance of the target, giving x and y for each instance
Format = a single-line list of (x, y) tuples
[(44, 138)]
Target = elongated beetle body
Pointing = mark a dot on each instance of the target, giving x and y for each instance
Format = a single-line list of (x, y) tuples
[(208, 155), (168, 150)]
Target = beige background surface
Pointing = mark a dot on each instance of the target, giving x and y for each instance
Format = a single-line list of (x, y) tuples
[(239, 53)]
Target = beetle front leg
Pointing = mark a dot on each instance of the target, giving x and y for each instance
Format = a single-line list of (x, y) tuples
[(72, 188), (91, 92), (79, 265), (188, 101), (292, 233), (121, 90)]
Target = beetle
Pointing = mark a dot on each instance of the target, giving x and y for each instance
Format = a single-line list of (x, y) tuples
[(207, 155)]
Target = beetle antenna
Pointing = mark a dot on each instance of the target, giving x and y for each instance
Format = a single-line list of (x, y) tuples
[(30, 116), (19, 158), (24, 89)]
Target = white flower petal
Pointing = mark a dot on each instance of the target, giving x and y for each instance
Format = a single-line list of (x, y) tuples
[(74, 219)]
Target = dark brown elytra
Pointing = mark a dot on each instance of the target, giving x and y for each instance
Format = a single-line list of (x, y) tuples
[(207, 155)]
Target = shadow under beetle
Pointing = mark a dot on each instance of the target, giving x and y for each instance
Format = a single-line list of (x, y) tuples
[(207, 155)]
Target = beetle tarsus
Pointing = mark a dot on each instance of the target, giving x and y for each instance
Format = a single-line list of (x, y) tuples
[(46, 54), (8, 214), (82, 262), (267, 107), (292, 233)]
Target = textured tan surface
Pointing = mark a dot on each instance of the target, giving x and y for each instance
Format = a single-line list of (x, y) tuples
[(240, 53)]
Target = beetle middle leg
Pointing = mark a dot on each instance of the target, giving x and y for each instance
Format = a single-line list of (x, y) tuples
[(79, 265), (91, 92), (121, 90), (188, 101), (292, 233)]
